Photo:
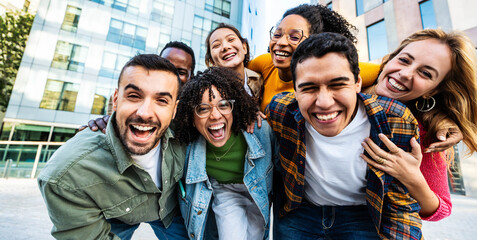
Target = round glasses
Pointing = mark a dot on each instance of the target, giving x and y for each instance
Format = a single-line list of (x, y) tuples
[(294, 36), (203, 110)]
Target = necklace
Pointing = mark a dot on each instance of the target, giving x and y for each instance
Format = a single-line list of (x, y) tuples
[(219, 158)]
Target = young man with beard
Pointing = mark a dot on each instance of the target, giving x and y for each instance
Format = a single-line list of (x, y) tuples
[(102, 186), (323, 188)]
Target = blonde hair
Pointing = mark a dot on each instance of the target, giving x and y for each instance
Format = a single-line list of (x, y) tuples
[(456, 94)]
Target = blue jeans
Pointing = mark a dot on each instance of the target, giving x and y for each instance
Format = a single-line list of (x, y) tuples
[(325, 222), (175, 231)]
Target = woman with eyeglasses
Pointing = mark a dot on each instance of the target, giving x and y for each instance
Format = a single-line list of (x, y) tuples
[(228, 172), (296, 25)]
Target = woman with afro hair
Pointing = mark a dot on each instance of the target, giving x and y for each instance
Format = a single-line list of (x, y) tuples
[(227, 171)]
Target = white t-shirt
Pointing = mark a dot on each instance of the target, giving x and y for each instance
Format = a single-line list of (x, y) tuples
[(151, 163), (335, 175)]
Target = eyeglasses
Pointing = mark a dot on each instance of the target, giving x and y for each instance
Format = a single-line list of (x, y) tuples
[(203, 110), (294, 36)]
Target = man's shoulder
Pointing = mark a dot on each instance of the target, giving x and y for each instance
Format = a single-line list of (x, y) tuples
[(281, 101), (87, 148), (391, 107)]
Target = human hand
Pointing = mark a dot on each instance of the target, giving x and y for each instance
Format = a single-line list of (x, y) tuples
[(449, 135), (400, 164), (97, 124), (251, 126)]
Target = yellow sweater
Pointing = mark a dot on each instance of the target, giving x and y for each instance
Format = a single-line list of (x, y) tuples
[(273, 84)]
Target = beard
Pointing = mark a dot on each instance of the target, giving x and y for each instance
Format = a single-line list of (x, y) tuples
[(136, 148)]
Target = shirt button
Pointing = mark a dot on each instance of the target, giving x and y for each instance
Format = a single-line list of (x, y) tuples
[(192, 235), (145, 179), (199, 212), (165, 181), (301, 162), (128, 209)]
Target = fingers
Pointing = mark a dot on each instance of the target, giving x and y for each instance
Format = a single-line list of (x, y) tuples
[(259, 121), (372, 149), (106, 118), (390, 145), (262, 115), (442, 134), (372, 162), (92, 125), (250, 127), (82, 128), (416, 149), (454, 138)]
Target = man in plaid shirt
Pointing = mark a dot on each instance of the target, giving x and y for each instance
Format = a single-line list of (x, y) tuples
[(321, 126)]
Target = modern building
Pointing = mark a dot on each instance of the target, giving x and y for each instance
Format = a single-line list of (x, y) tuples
[(73, 57), (383, 24), (18, 5)]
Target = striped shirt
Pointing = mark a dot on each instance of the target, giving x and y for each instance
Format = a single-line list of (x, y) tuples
[(394, 213)]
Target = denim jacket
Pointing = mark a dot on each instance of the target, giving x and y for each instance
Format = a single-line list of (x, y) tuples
[(258, 169)]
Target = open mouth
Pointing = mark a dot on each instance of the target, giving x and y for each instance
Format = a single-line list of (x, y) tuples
[(217, 131), (282, 54), (229, 56), (326, 117), (141, 132), (394, 84)]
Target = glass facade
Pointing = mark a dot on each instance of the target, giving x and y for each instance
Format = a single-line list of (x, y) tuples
[(59, 95), (69, 56), (162, 11), (428, 16), (101, 100), (70, 22), (220, 7), (377, 40), (131, 6), (363, 6), (127, 34), (112, 63)]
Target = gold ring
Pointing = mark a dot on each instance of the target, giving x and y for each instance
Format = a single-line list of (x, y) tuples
[(379, 160)]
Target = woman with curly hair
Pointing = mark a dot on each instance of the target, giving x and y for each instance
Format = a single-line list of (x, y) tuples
[(226, 47), (228, 172), (296, 25), (434, 73)]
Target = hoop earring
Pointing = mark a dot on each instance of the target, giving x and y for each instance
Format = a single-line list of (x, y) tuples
[(426, 105)]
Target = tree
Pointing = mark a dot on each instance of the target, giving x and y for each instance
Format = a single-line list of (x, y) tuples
[(14, 30)]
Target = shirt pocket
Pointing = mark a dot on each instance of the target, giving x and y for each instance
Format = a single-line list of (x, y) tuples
[(129, 210)]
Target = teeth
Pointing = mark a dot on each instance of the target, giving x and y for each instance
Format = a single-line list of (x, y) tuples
[(142, 128), (282, 54), (217, 127), (229, 56), (396, 85), (327, 116)]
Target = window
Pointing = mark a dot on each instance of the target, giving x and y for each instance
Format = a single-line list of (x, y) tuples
[(220, 7), (70, 22), (59, 95), (363, 6), (112, 64), (162, 11), (28, 132), (131, 6), (5, 133), (377, 40), (330, 5), (62, 134), (127, 34), (100, 102), (69, 56), (428, 17)]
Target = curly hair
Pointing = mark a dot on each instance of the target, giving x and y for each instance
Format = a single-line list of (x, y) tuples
[(208, 55), (228, 85), (455, 98), (323, 19)]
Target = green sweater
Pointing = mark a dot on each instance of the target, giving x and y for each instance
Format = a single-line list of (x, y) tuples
[(92, 178), (226, 163)]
